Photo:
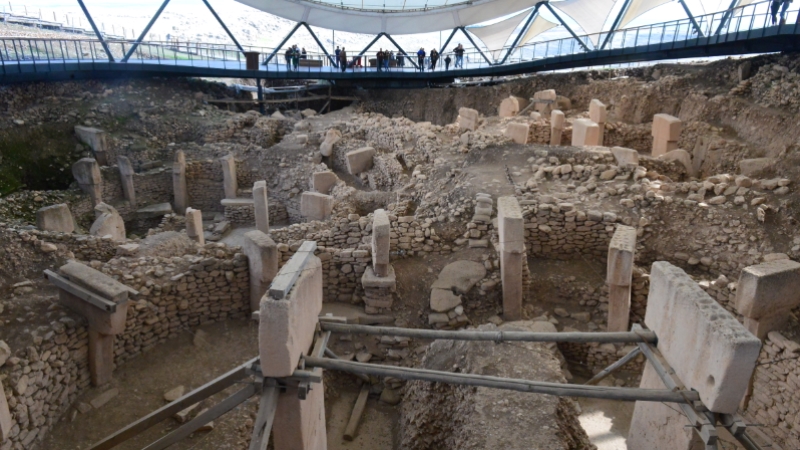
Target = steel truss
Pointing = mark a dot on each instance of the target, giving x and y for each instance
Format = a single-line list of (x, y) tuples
[(388, 36), (289, 36)]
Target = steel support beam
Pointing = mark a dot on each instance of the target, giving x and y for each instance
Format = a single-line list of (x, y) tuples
[(261, 108), (464, 30), (144, 32), (388, 36), (96, 31), (691, 17), (553, 11), (283, 42), (224, 27), (614, 26), (441, 50), (726, 16), (322, 47), (372, 42), (521, 33)]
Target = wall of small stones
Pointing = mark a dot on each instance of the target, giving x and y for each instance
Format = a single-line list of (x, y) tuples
[(245, 215), (152, 187), (204, 183)]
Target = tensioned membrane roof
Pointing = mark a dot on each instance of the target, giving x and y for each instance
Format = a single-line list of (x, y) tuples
[(390, 16)]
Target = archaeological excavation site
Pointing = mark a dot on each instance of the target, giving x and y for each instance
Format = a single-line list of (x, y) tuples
[(600, 258)]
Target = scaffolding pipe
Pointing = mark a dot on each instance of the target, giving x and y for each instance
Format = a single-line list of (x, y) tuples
[(536, 387), (497, 336)]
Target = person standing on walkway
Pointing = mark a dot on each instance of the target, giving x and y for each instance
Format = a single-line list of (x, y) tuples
[(774, 7), (400, 60), (421, 59), (295, 57), (343, 59), (459, 52), (288, 57), (388, 60), (379, 60), (303, 54), (447, 62), (434, 58), (784, 10)]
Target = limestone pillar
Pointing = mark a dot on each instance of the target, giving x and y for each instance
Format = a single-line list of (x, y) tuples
[(194, 225), (708, 349), (332, 136), (229, 175), (261, 206), (666, 132), (323, 182), (619, 273), (126, 177), (598, 114), (179, 190), (97, 140), (263, 257), (585, 132), (6, 423), (545, 101), (359, 160), (766, 293), (87, 173), (55, 218), (557, 120), (104, 324), (511, 106), (518, 132), (287, 323), (379, 281), (511, 231), (316, 206), (467, 119), (108, 223)]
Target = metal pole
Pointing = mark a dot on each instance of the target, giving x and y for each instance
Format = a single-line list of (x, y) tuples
[(610, 369), (224, 27), (496, 336), (328, 55), (614, 26), (441, 50), (513, 384), (401, 50), (96, 31), (464, 30), (521, 33), (286, 39), (726, 16), (553, 11), (261, 107), (144, 32), (691, 17)]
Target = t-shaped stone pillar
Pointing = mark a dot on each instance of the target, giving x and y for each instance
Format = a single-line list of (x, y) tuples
[(766, 293), (108, 223), (556, 126), (261, 206), (263, 257), (511, 106), (619, 274), (467, 119), (104, 302), (379, 281), (545, 101), (194, 225), (598, 114), (96, 139), (518, 132), (512, 253), (179, 189), (87, 174), (229, 181), (585, 132), (126, 177), (666, 132)]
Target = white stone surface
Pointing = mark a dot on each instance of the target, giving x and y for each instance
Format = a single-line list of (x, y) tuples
[(768, 288), (261, 206), (55, 218)]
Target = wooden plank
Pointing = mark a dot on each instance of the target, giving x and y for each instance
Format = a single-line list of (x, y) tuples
[(212, 413), (155, 417), (284, 281), (81, 293), (266, 415), (358, 411)]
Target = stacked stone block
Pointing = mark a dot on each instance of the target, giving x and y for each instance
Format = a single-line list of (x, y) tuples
[(666, 132), (766, 294), (598, 115), (379, 281), (619, 277), (511, 234), (557, 120)]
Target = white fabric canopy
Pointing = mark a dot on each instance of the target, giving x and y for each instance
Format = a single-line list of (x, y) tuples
[(494, 36), (639, 7), (590, 15), (538, 26)]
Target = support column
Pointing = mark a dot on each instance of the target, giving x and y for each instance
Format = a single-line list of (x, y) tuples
[(766, 293), (87, 173), (229, 175), (194, 225), (557, 120), (261, 206), (597, 114), (619, 274), (666, 132), (585, 132), (263, 258), (379, 280), (126, 176), (179, 189), (512, 253), (708, 349)]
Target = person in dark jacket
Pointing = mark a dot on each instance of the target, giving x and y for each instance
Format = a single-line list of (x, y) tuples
[(343, 59), (421, 59), (379, 60), (774, 8), (434, 58), (447, 62)]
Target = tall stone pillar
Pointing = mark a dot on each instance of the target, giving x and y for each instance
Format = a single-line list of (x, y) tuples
[(511, 106), (229, 181), (108, 223), (585, 132), (545, 101), (512, 253), (666, 132), (598, 114), (126, 176), (619, 274), (766, 293), (557, 120), (287, 322), (179, 189), (87, 173), (194, 225), (708, 349), (263, 257), (379, 280), (261, 206), (97, 140)]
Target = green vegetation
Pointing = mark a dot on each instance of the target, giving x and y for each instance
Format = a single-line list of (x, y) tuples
[(37, 157)]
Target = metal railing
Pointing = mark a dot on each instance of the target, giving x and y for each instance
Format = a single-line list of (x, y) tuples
[(751, 21)]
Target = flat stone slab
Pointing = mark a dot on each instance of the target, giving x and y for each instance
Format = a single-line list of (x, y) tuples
[(709, 349), (153, 211), (443, 300), (768, 288), (237, 202), (96, 281), (55, 218), (104, 398), (460, 275), (370, 280)]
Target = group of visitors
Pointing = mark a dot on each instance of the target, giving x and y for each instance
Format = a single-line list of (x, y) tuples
[(430, 60), (783, 7), (384, 59), (293, 56)]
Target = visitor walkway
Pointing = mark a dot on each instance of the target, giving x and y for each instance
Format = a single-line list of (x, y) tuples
[(733, 32)]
